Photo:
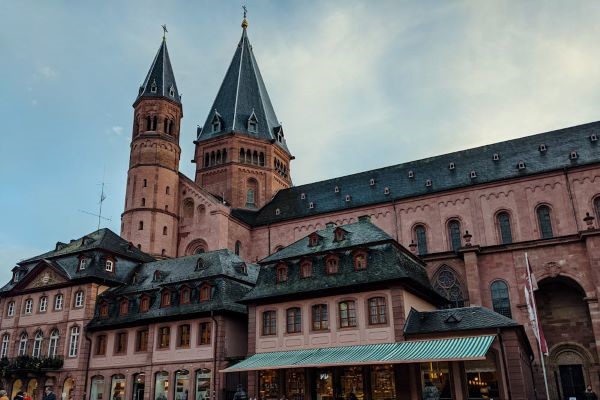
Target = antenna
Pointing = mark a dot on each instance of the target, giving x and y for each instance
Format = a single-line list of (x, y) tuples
[(99, 215)]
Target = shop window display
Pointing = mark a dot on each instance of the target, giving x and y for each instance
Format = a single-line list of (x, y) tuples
[(97, 388), (324, 384), (139, 383), (382, 382), (161, 386), (294, 379), (352, 383), (482, 379), (269, 385), (182, 384), (203, 384), (117, 387), (435, 381)]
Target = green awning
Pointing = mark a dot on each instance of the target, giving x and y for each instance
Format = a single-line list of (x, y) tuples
[(451, 349)]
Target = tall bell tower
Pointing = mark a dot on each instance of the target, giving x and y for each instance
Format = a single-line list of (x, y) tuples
[(150, 219), (241, 152)]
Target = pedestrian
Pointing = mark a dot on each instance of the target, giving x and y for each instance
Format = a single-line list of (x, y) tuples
[(3, 395), (26, 396), (49, 394), (240, 394), (588, 395), (19, 396)]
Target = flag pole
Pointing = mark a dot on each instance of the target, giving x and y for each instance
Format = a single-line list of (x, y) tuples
[(536, 327)]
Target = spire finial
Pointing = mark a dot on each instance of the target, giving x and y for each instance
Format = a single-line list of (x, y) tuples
[(245, 21), (164, 27)]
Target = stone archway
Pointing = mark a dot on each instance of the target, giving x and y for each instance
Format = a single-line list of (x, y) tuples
[(565, 319)]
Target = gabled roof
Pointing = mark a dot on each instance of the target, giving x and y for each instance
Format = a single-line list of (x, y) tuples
[(160, 81), (387, 262), (559, 145), (455, 319), (102, 239), (242, 93)]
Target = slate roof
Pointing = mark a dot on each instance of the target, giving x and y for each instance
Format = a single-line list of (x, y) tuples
[(242, 94), (455, 319), (222, 269), (386, 262), (161, 77), (95, 246), (559, 145)]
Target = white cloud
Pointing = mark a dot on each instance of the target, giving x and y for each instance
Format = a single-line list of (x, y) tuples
[(46, 72), (117, 130)]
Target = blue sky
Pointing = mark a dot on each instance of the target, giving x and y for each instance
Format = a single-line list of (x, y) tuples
[(357, 85)]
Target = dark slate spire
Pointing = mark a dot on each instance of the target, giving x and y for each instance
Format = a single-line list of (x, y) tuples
[(160, 81), (242, 104)]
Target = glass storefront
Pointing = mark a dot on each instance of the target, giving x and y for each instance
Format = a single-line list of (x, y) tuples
[(482, 379), (139, 384), (203, 384), (182, 384), (97, 389), (269, 385), (352, 383), (161, 386), (324, 384), (117, 387), (294, 384), (435, 381), (383, 385)]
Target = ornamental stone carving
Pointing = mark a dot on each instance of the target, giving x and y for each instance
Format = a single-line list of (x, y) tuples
[(553, 269)]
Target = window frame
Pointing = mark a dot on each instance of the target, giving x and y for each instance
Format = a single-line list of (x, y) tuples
[(348, 318), (205, 292), (5, 345), (420, 238), (124, 307), (360, 260), (109, 265), (58, 302), (204, 333), (184, 338), (380, 317), (454, 234), (38, 339), (281, 273), (78, 301), (306, 269), (10, 309), (74, 334), (100, 345), (144, 303), (28, 306), (43, 304), (23, 342), (501, 304), (332, 264), (504, 227), (293, 320), (320, 317), (269, 323), (543, 229), (121, 339), (163, 338), (141, 338), (165, 298), (53, 343)]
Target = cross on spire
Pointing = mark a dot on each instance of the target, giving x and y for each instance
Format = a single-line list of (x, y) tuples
[(245, 21), (245, 10), (164, 27)]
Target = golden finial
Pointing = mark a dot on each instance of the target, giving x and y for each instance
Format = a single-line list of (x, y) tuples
[(244, 21)]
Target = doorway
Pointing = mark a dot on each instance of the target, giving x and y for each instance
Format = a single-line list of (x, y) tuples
[(139, 382), (571, 381)]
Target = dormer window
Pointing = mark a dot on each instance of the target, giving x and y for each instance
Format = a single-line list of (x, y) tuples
[(372, 182), (411, 174), (521, 165), (83, 262), (16, 275), (104, 310), (313, 239), (200, 265), (153, 87), (109, 266), (172, 91), (253, 123), (302, 196), (339, 234), (496, 157), (205, 292), (542, 148), (124, 307), (360, 261), (573, 155), (306, 269), (593, 137), (281, 273), (157, 276), (386, 190), (144, 303), (451, 166), (185, 295), (473, 174), (332, 264), (216, 123), (311, 205), (348, 198), (165, 299), (428, 183), (277, 211), (336, 189)]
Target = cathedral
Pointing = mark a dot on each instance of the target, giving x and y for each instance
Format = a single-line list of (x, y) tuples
[(404, 282)]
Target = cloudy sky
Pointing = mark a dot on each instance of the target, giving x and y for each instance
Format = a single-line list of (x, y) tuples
[(357, 85)]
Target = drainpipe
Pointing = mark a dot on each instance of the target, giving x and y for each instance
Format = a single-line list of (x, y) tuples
[(502, 350), (87, 369), (212, 316)]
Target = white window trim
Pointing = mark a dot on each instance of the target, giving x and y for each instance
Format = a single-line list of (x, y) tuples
[(74, 341), (43, 304), (83, 263), (79, 299), (11, 309), (110, 265), (23, 345), (28, 306), (4, 348), (53, 345), (58, 302), (37, 345)]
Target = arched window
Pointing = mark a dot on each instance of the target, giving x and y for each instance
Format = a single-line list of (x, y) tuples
[(597, 208), (143, 201), (205, 290), (218, 157), (238, 248), (248, 156), (261, 159), (37, 344), (500, 298), (251, 191), (164, 230), (148, 124), (141, 225), (188, 208), (124, 307), (255, 158), (103, 310), (53, 343), (224, 157), (360, 260), (58, 302), (454, 234), (5, 343), (206, 160), (281, 273), (154, 123), (184, 295), (165, 299), (78, 299), (332, 265), (242, 155), (544, 221), (23, 344), (167, 190), (144, 303), (446, 283), (421, 239), (74, 341), (213, 158), (504, 230)]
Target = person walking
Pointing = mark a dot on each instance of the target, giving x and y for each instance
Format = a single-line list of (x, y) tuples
[(18, 396), (49, 394), (588, 395), (3, 395)]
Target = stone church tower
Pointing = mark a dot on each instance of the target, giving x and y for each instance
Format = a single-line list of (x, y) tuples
[(241, 153), (150, 219)]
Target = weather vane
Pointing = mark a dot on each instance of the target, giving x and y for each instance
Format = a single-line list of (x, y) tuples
[(245, 10), (164, 27)]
